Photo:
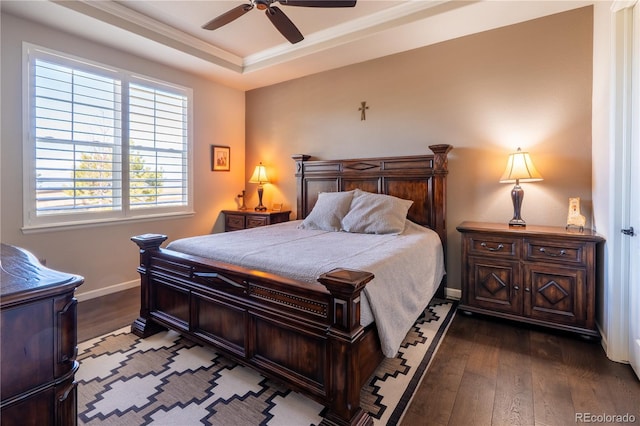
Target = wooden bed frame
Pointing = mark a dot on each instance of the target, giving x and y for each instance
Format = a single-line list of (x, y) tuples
[(305, 335)]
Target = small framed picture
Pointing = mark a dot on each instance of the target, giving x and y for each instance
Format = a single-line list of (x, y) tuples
[(220, 158), (276, 207)]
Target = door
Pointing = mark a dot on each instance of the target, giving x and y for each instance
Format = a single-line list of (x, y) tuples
[(626, 290), (634, 273)]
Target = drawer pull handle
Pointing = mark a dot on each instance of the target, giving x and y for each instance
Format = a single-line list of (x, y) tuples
[(498, 248), (515, 287), (559, 254)]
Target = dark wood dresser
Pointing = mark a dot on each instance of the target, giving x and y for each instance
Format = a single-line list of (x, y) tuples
[(235, 220), (38, 332), (540, 275)]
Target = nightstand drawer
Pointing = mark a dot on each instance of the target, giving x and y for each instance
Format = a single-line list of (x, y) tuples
[(494, 246), (254, 222), (551, 251), (234, 221)]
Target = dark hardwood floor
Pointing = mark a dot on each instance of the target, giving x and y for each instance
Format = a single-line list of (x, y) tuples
[(492, 372), (485, 372), (104, 314)]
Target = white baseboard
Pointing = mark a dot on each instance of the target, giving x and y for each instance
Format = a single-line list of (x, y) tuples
[(92, 294), (603, 337), (453, 293), (605, 345)]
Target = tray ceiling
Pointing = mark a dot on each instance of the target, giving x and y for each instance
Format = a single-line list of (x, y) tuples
[(249, 52)]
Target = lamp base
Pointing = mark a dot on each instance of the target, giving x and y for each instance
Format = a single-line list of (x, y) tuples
[(517, 194), (260, 207)]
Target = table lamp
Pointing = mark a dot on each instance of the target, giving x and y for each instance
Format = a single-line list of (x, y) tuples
[(260, 176), (519, 168)]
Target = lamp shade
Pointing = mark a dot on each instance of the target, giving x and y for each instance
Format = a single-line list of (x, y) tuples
[(259, 175), (520, 168)]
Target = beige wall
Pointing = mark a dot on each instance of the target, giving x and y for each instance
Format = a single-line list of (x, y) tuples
[(104, 255), (526, 85)]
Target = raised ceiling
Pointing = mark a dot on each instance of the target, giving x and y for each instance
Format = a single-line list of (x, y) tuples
[(249, 52)]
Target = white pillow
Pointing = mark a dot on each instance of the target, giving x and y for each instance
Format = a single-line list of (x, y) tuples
[(376, 214), (328, 211)]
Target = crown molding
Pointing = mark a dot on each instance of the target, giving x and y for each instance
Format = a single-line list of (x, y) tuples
[(127, 19), (116, 14), (351, 31)]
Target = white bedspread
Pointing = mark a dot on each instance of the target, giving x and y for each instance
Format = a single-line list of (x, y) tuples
[(408, 267)]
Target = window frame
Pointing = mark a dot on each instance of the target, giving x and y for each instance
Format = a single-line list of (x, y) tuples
[(31, 221)]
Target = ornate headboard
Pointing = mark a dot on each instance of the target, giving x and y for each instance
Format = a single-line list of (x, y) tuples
[(421, 178)]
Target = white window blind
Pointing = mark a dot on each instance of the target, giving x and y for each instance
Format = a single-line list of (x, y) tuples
[(77, 135), (157, 150), (102, 144)]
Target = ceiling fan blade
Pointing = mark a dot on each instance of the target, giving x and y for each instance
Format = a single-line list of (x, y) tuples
[(284, 24), (319, 3), (227, 17)]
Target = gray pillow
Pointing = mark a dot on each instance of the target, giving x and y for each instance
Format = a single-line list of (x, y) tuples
[(376, 214), (328, 211)]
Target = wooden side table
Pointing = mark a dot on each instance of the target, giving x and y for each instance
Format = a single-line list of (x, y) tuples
[(540, 275), (244, 219)]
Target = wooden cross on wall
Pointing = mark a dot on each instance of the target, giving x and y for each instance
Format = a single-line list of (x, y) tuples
[(363, 110)]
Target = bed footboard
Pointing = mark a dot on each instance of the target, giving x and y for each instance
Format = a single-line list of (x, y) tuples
[(306, 335)]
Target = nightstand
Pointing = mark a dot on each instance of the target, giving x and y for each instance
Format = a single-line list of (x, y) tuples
[(245, 219), (540, 275)]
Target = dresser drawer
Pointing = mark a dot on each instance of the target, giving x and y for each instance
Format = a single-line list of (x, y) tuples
[(566, 252), (254, 222), (245, 219), (494, 246), (234, 221)]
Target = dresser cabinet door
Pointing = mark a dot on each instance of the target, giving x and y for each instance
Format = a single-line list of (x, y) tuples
[(27, 359), (38, 409), (53, 406), (494, 285), (555, 294)]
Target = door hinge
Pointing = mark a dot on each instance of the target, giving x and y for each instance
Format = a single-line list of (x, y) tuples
[(628, 231)]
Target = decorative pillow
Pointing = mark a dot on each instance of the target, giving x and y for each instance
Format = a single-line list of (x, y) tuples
[(376, 214), (328, 211)]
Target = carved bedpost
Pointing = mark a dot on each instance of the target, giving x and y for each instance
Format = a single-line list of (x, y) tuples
[(345, 287), (440, 171), (300, 196), (148, 243)]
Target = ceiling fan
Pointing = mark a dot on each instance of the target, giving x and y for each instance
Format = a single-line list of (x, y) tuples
[(275, 15)]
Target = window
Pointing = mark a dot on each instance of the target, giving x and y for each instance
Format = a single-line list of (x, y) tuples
[(102, 144)]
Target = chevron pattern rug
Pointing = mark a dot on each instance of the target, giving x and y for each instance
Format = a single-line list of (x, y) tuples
[(169, 380)]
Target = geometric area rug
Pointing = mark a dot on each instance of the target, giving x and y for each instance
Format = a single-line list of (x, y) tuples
[(166, 379)]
